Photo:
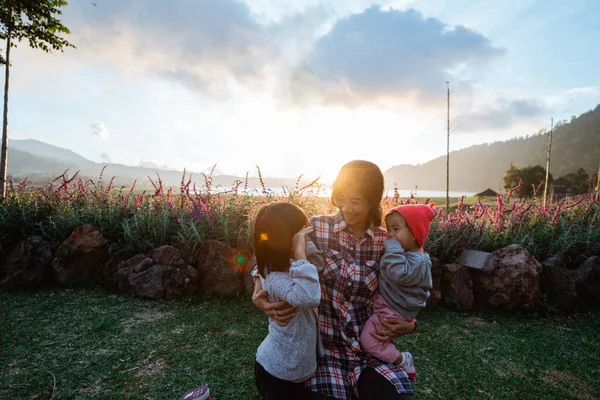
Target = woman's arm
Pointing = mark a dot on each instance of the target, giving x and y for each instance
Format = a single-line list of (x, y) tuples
[(389, 329), (281, 312)]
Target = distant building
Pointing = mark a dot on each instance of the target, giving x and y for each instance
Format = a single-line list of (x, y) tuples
[(487, 193)]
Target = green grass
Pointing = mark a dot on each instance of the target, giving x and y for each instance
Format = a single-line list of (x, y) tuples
[(85, 343)]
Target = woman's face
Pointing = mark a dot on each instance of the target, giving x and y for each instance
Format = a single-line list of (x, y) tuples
[(354, 206)]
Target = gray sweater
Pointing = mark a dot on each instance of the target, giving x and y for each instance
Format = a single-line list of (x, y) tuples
[(404, 278), (290, 352)]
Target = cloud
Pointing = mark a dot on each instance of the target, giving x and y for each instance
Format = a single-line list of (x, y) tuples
[(389, 53), (201, 44), (308, 56), (501, 114), (100, 131), (104, 158)]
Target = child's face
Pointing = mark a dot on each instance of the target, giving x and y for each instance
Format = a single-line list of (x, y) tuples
[(397, 228)]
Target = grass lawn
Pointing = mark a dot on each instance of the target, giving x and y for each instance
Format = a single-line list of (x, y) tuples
[(95, 343)]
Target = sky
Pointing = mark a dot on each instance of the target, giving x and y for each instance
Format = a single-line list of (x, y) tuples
[(303, 86)]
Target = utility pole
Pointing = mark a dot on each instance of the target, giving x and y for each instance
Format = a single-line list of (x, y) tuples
[(4, 148), (548, 162), (598, 181), (448, 150), (598, 185)]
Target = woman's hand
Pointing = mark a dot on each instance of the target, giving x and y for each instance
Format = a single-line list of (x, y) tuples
[(299, 243), (281, 312), (389, 329)]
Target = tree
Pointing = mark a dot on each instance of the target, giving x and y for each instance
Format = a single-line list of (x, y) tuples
[(530, 175), (36, 22), (579, 180)]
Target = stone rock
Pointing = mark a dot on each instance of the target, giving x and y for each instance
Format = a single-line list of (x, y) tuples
[(181, 281), (168, 255), (143, 265), (81, 258), (150, 283), (435, 295), (112, 265), (188, 254), (457, 284), (219, 268), (587, 282), (248, 279), (557, 283), (126, 268), (481, 260), (513, 284), (27, 266)]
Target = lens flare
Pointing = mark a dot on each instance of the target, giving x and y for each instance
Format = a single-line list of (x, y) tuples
[(239, 259)]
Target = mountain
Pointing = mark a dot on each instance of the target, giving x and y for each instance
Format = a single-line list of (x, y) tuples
[(48, 151), (22, 164), (575, 145), (40, 162)]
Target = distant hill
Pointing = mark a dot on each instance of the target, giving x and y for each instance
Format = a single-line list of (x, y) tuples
[(22, 164), (48, 151), (575, 145), (40, 162)]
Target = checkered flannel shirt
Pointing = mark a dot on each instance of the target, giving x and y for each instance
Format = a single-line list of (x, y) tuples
[(348, 282)]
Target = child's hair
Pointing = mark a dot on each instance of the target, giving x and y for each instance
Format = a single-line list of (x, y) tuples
[(275, 226)]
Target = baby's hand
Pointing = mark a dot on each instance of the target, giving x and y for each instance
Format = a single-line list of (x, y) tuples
[(299, 243)]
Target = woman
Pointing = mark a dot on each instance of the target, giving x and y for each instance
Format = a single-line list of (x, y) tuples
[(352, 243)]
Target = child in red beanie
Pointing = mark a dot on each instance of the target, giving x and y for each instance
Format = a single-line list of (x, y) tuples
[(404, 278)]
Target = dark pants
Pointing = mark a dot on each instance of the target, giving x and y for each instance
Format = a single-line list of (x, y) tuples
[(371, 386), (272, 388)]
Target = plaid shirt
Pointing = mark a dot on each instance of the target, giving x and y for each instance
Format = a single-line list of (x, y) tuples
[(348, 283)]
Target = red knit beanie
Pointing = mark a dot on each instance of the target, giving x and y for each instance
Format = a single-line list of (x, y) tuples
[(418, 217)]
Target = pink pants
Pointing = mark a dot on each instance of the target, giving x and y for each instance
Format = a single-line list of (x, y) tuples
[(372, 345)]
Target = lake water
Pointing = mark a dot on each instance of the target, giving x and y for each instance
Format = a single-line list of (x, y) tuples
[(326, 192)]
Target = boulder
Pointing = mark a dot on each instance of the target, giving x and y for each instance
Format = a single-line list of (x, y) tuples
[(181, 281), (28, 265), (81, 258), (135, 264), (513, 284), (457, 284), (558, 284), (150, 283), (248, 279), (221, 268), (435, 295), (188, 253), (112, 265), (168, 255), (587, 282)]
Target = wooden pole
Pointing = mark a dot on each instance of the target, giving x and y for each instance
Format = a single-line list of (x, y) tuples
[(4, 150), (448, 150), (598, 181), (548, 162)]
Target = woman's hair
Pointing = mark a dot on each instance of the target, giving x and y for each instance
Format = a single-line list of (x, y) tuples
[(369, 178), (274, 227)]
